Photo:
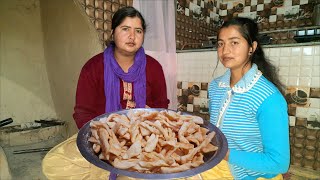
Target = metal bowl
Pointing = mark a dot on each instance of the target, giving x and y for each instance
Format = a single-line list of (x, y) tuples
[(210, 159)]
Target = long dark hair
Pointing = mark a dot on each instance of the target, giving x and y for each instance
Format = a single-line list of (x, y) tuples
[(249, 31)]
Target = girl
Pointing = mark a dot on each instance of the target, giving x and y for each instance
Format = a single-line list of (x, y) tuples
[(247, 105)]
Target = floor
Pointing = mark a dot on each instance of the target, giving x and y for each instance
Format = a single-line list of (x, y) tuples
[(28, 166), (298, 173)]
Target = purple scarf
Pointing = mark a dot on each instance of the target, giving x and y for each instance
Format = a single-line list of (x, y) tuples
[(113, 73)]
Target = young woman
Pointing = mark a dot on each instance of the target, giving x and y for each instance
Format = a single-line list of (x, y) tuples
[(121, 77), (247, 105)]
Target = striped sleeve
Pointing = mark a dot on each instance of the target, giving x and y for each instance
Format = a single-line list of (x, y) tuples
[(273, 123)]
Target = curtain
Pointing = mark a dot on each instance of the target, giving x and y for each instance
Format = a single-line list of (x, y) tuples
[(160, 42)]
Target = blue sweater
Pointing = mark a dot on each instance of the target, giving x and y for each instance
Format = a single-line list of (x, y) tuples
[(253, 117)]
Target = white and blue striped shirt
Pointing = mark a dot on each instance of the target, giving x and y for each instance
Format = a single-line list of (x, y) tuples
[(253, 117)]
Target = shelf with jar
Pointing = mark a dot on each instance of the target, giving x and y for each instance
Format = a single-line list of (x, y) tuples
[(290, 35)]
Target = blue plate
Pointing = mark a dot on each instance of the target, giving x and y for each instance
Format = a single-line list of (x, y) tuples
[(210, 159)]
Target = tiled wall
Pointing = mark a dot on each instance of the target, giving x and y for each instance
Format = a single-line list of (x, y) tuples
[(299, 70), (197, 20), (270, 14), (100, 14)]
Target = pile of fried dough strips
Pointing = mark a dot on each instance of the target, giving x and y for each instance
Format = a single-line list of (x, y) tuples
[(151, 142)]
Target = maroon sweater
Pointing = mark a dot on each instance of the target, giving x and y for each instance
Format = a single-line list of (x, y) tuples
[(90, 97)]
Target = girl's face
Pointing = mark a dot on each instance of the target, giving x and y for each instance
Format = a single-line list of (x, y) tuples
[(129, 36), (233, 50)]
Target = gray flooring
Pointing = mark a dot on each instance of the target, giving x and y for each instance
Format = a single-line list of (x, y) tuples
[(27, 166)]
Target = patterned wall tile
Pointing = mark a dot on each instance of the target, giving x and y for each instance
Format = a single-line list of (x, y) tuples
[(314, 92), (100, 14), (311, 114), (297, 96), (193, 98), (292, 120), (270, 15), (314, 103)]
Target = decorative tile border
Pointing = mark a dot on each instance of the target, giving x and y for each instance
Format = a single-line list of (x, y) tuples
[(193, 98), (303, 104), (304, 118)]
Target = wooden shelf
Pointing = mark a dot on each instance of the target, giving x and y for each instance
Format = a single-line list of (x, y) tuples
[(290, 29)]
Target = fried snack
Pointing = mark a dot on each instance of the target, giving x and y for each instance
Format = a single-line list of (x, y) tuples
[(151, 142)]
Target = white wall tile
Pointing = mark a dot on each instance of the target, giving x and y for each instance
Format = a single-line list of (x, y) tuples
[(303, 2), (196, 101), (316, 71), (293, 81), (284, 61), (284, 71), (273, 18), (307, 61), (285, 51), (314, 102), (266, 51), (287, 3), (275, 61), (292, 120), (304, 81), (298, 66), (301, 112), (179, 77), (284, 80), (260, 7), (190, 107), (247, 9), (254, 2), (204, 102), (305, 71), (281, 10), (306, 112), (204, 94), (294, 71), (296, 51), (308, 51), (184, 85), (316, 60), (186, 11), (316, 50), (274, 52), (295, 61), (223, 12), (315, 82), (230, 5)]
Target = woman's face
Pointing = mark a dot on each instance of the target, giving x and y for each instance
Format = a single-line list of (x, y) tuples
[(233, 49), (129, 36)]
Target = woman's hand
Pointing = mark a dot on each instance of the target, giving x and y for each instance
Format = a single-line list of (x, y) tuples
[(227, 156)]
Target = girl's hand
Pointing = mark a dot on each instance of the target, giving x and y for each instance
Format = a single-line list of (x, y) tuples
[(227, 156)]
